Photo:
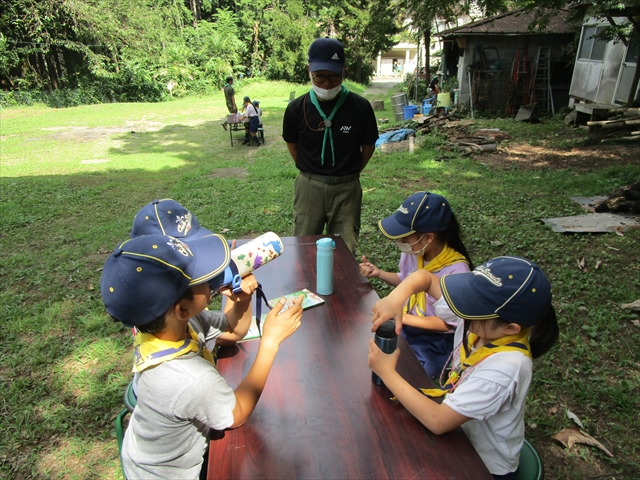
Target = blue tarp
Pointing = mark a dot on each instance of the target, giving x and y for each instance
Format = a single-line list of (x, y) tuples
[(394, 136)]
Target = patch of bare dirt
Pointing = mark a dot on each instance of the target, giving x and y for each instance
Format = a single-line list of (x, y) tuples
[(235, 172), (559, 461), (530, 157)]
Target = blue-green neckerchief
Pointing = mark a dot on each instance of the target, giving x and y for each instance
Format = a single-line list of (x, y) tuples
[(327, 121)]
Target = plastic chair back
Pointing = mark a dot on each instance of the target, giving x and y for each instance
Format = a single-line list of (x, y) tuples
[(130, 400), (530, 467)]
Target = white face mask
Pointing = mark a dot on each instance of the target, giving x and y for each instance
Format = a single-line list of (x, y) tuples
[(324, 94), (406, 247)]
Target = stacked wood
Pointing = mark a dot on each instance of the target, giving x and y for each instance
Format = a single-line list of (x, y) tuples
[(623, 126), (473, 144), (625, 199)]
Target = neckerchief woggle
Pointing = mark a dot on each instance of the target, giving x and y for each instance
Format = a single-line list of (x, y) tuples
[(510, 343), (448, 256), (150, 351), (328, 132)]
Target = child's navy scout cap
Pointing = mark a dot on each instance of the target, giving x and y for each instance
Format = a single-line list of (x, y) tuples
[(326, 54), (512, 288), (421, 212), (167, 217), (146, 275)]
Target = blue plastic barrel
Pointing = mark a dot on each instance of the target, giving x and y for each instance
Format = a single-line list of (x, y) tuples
[(410, 111)]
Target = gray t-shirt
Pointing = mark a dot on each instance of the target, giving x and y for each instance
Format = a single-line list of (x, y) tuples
[(178, 402)]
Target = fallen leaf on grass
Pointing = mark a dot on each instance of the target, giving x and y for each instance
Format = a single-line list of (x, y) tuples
[(581, 262), (598, 263), (633, 306), (636, 323), (575, 418), (553, 410), (496, 243), (225, 230), (619, 232), (572, 435)]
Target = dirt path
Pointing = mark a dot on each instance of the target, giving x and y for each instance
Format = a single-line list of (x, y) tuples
[(381, 85)]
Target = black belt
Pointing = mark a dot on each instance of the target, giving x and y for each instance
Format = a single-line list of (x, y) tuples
[(329, 179)]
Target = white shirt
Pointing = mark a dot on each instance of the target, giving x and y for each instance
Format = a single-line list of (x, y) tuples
[(493, 394)]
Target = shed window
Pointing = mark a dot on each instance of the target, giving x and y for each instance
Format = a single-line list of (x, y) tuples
[(633, 50), (592, 48)]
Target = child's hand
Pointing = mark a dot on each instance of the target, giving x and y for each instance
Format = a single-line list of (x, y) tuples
[(248, 286), (381, 363), (278, 326), (387, 309), (368, 269)]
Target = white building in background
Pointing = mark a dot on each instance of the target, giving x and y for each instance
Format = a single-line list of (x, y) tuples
[(407, 55)]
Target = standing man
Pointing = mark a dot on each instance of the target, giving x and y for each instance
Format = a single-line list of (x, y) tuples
[(331, 135), (230, 98)]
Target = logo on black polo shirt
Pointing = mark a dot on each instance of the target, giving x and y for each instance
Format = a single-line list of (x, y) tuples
[(345, 128)]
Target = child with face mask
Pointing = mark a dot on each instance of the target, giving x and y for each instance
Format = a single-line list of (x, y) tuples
[(428, 236)]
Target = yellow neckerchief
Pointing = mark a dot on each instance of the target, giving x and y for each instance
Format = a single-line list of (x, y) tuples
[(448, 256), (510, 343), (149, 350)]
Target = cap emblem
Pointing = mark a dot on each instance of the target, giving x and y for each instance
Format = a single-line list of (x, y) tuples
[(485, 271), (182, 248), (402, 209), (335, 57), (183, 223)]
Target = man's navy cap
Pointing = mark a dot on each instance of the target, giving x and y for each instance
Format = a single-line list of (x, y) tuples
[(423, 212), (326, 54), (146, 275), (511, 288), (167, 217)]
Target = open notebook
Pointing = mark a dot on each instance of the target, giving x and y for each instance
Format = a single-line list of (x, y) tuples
[(310, 300)]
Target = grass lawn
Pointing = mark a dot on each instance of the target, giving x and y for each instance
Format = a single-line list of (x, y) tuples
[(72, 179)]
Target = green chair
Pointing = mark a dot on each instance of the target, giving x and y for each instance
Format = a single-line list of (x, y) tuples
[(130, 402), (530, 467), (129, 397)]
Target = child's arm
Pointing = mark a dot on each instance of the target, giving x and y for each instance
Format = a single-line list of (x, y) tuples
[(277, 327), (433, 323), (369, 270), (237, 308), (390, 307), (436, 417)]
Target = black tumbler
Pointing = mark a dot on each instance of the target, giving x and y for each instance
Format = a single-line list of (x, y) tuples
[(386, 339)]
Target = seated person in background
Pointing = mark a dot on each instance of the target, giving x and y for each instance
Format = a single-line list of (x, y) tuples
[(428, 235), (251, 119), (256, 105), (508, 321), (158, 283)]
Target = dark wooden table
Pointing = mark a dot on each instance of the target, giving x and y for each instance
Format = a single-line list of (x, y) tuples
[(320, 416), (235, 127)]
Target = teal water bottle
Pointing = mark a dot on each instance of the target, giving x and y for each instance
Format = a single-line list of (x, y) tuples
[(324, 260)]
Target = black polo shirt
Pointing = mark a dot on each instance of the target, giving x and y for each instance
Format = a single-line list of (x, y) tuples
[(354, 125)]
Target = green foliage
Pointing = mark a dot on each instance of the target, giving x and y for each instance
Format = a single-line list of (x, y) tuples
[(106, 50)]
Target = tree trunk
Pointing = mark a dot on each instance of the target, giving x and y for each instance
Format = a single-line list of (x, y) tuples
[(427, 59), (194, 10), (44, 77), (53, 74), (58, 65)]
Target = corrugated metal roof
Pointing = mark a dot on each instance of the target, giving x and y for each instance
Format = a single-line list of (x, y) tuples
[(512, 23)]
